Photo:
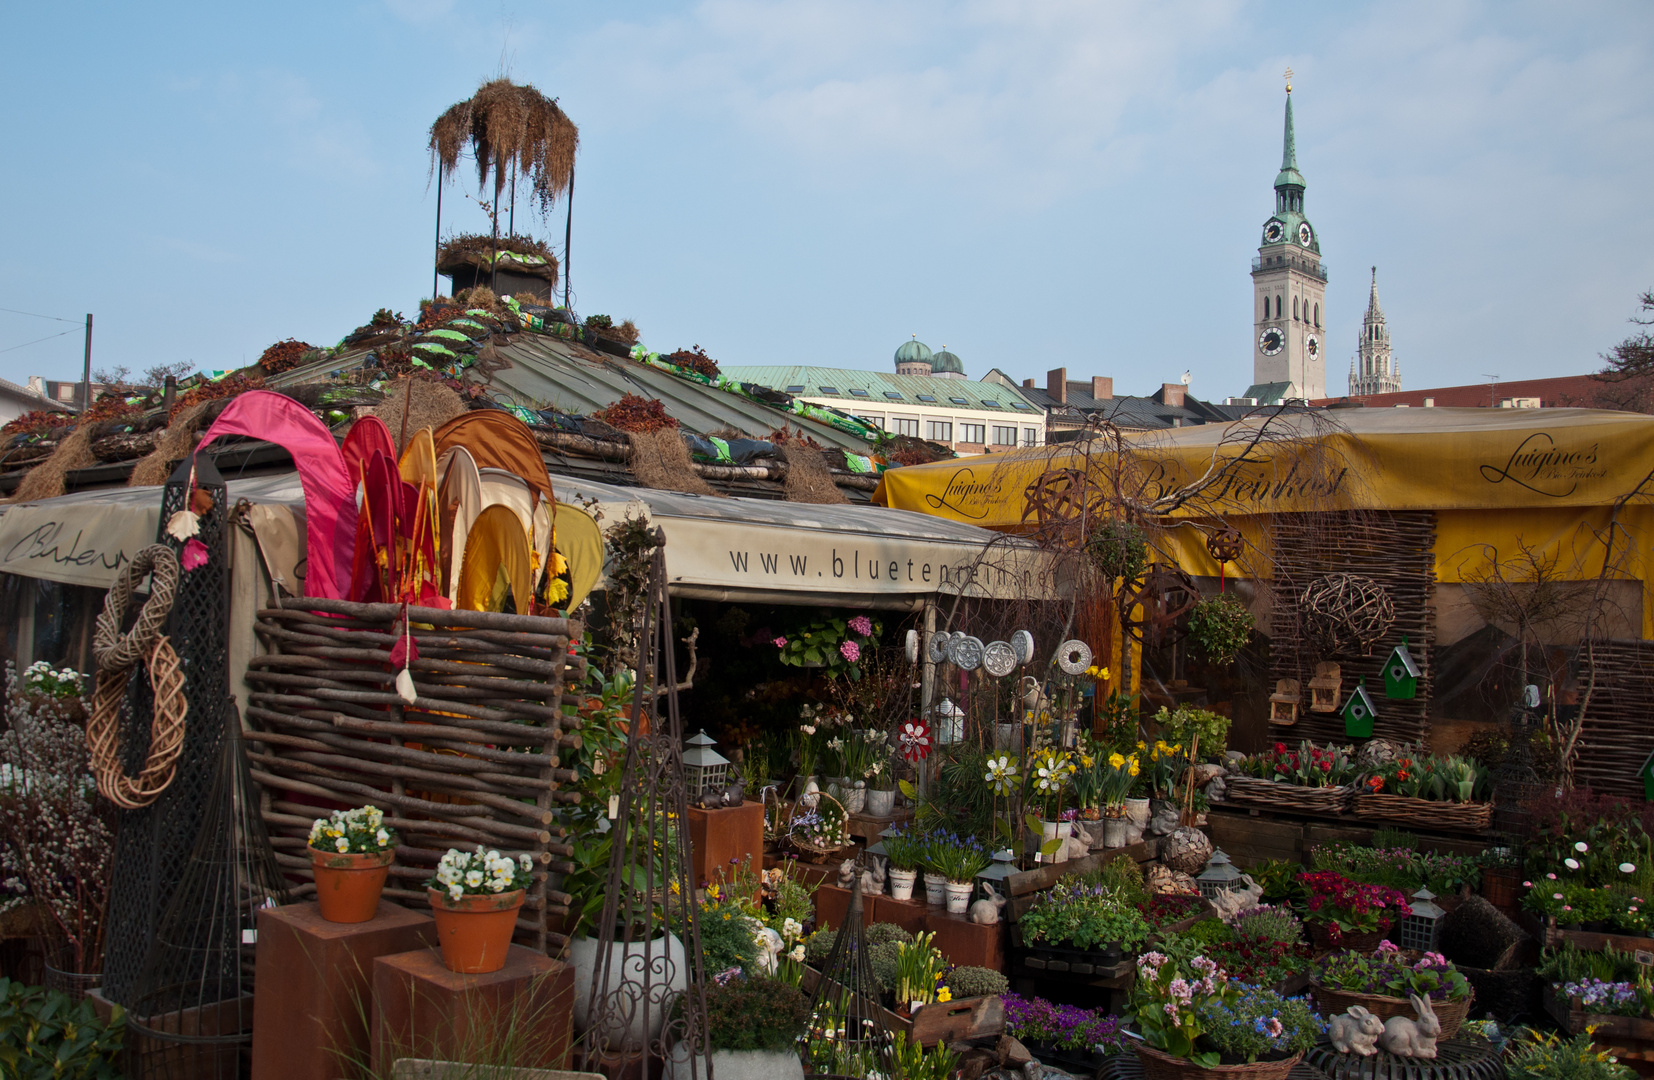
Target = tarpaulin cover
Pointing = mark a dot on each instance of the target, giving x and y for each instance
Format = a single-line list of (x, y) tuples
[(460, 501), (329, 493), (498, 440)]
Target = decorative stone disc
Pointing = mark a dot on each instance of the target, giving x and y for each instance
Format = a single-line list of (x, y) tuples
[(1023, 642), (913, 646), (1074, 657), (966, 652), (999, 658), (938, 649)]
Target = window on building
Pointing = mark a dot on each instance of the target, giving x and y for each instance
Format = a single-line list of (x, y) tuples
[(795, 389), (828, 389), (857, 392), (990, 404), (1005, 436), (960, 400), (1030, 436), (1277, 305), (906, 426), (939, 430), (1266, 307), (1317, 315), (876, 420), (928, 397), (1294, 309), (972, 433), (1023, 405), (893, 395)]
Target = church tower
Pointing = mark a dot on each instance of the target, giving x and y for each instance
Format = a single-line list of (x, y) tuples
[(1289, 290), (1374, 370)]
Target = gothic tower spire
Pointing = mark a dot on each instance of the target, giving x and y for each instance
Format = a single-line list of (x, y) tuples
[(1374, 370)]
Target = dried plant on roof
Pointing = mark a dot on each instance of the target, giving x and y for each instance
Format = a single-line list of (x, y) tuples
[(634, 413), (283, 356), (228, 387), (695, 359), (509, 129), (38, 422)]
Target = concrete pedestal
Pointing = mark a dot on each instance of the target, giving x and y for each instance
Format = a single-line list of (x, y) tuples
[(520, 1015), (311, 1012), (720, 838)]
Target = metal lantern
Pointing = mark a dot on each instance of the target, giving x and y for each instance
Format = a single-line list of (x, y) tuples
[(1220, 876), (1419, 930), (949, 723), (703, 767), (1002, 867)]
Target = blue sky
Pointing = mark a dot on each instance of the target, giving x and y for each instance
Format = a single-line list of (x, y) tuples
[(1033, 184)]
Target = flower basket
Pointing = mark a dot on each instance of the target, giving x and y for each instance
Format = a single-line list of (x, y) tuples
[(1423, 813), (1570, 1016), (1162, 1066), (1252, 791), (814, 850), (1450, 1013)]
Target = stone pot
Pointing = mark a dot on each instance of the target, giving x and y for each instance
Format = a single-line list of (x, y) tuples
[(958, 897), (881, 803), (901, 883), (736, 1065), (936, 889), (855, 798), (583, 955), (1114, 832)]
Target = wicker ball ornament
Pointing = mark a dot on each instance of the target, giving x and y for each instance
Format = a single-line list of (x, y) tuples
[(1346, 614), (1186, 850)]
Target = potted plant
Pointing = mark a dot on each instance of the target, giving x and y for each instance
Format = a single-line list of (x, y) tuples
[(958, 860), (1050, 773), (1347, 914), (1219, 627), (351, 853), (475, 897), (1382, 980), (919, 966), (1064, 1035), (753, 1025), (881, 779), (1196, 1023), (1548, 1056), (1310, 778), (1116, 774), (1088, 919), (1435, 792), (905, 849)]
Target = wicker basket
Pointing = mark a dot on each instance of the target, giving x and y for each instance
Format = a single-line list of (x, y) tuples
[(1309, 800), (809, 851), (1321, 935), (1450, 1013), (1423, 813), (1159, 1066)]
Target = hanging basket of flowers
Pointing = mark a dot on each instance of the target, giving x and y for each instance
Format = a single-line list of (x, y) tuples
[(1219, 628)]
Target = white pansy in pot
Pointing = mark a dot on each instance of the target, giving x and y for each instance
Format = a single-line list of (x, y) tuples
[(459, 873)]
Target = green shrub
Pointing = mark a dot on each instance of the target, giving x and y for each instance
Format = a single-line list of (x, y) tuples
[(1551, 1057), (882, 959), (755, 1014), (976, 982), (1121, 875), (727, 940), (881, 932), (46, 1036), (818, 945)]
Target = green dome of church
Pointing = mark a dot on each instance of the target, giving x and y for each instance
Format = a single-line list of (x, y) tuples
[(913, 352), (944, 362)]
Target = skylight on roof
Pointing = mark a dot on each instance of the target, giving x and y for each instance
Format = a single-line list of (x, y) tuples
[(799, 389), (990, 403), (960, 400), (828, 389), (1020, 405), (928, 397), (858, 392), (893, 395)]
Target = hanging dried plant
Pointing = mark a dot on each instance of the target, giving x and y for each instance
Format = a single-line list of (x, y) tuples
[(509, 128)]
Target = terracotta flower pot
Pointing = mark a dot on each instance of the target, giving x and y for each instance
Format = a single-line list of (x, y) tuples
[(348, 886), (475, 930)]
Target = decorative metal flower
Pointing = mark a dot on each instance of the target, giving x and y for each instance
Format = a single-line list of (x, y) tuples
[(915, 740), (1002, 775)]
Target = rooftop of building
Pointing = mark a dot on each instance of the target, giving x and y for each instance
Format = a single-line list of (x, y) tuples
[(862, 389)]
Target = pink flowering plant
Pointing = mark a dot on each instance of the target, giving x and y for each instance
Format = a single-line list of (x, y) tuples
[(1350, 907), (1388, 973), (838, 644), (1198, 1013)]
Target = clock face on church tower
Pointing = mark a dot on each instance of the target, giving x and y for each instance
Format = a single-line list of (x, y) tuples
[(1304, 234), (1312, 345), (1271, 341), (1273, 232)]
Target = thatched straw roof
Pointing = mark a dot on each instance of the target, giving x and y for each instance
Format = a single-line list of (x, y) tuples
[(509, 127)]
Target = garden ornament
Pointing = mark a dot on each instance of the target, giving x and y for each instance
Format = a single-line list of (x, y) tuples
[(735, 793), (1074, 847), (1073, 656), (872, 878), (913, 646), (937, 648), (966, 652), (1033, 695), (769, 949), (1023, 642), (1163, 880), (1164, 819), (1217, 790), (1406, 1037), (1231, 902), (1356, 1032), (847, 873), (1186, 849), (999, 658), (986, 912)]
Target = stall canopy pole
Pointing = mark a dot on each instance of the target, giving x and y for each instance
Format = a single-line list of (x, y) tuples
[(927, 685)]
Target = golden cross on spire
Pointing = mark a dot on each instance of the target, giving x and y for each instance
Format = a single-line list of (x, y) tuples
[(1289, 80)]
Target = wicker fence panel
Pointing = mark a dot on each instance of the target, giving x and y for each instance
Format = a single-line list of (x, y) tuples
[(1397, 551), (1617, 736), (474, 760)]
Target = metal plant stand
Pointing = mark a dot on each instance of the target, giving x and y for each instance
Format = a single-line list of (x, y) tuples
[(648, 1003), (847, 1035)]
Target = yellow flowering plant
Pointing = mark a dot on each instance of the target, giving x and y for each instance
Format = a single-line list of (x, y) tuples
[(1050, 774), (353, 832), (1116, 774)]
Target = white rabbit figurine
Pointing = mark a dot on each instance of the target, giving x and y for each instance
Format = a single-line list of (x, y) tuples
[(1356, 1032), (1405, 1037), (847, 873), (986, 912)]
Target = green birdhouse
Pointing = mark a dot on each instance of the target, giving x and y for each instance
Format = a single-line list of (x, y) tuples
[(1359, 713), (1401, 675)]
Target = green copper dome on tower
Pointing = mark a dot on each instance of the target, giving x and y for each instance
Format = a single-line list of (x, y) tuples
[(913, 352), (1289, 176), (943, 362)]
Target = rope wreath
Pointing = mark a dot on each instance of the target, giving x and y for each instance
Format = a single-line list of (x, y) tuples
[(1346, 614), (116, 654)]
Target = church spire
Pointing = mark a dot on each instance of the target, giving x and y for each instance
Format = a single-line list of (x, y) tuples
[(1289, 145), (1372, 297)]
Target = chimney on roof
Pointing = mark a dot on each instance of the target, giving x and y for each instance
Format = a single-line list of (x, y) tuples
[(1027, 384), (1172, 393), (1056, 384), (1102, 387)]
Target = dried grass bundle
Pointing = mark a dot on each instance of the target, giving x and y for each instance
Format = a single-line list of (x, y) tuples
[(174, 445), (808, 479), (509, 128), (45, 481), (661, 461), (431, 405)]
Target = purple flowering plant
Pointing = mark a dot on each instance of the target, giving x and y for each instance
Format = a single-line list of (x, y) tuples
[(1170, 1003), (1600, 996), (1034, 1020), (1387, 973)]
